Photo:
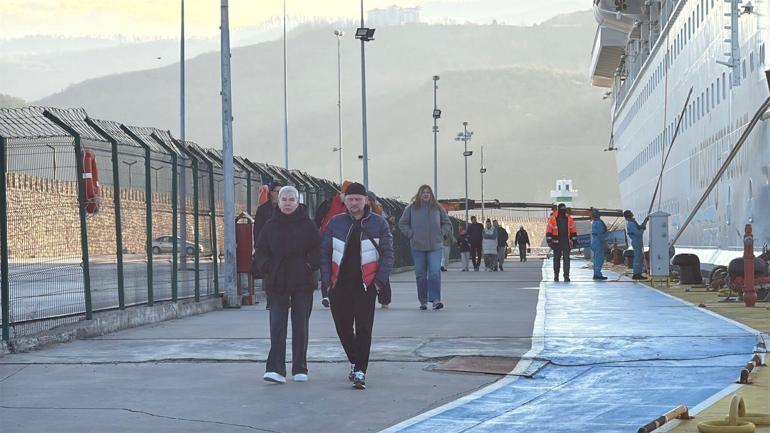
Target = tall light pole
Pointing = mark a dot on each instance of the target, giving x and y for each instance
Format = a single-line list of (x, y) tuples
[(285, 96), (183, 173), (365, 35), (465, 136), (436, 116), (231, 294), (482, 170), (339, 34)]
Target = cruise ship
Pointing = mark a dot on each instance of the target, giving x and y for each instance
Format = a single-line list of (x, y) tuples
[(649, 55)]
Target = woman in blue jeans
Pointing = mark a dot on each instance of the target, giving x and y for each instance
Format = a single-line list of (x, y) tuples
[(425, 223)]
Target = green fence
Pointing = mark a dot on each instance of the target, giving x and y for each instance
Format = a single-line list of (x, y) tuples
[(154, 233)]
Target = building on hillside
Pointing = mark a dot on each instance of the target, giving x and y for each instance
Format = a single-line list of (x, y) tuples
[(564, 192), (393, 16)]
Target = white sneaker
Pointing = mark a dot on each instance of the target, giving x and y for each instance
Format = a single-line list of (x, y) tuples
[(273, 377), (300, 377), (359, 380)]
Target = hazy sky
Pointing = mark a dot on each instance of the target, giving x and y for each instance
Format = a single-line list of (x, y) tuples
[(150, 18)]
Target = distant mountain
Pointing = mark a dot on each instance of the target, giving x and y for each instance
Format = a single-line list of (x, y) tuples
[(523, 89), (8, 101)]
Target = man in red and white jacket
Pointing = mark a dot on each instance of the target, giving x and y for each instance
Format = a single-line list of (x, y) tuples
[(356, 261)]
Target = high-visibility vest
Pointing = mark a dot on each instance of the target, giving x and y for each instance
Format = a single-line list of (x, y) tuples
[(552, 230)]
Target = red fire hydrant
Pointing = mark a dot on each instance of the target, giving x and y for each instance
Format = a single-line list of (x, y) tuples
[(749, 291), (244, 245)]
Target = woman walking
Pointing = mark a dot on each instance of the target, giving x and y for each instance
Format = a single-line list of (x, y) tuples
[(489, 246), (425, 223), (287, 253)]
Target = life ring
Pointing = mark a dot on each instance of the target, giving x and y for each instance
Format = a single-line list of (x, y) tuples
[(732, 424), (91, 179)]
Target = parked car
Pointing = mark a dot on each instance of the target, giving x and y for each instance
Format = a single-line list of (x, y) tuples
[(165, 244)]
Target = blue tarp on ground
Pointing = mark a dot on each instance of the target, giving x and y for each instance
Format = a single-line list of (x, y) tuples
[(620, 355)]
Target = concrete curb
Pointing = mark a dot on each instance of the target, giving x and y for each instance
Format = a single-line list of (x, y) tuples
[(111, 321)]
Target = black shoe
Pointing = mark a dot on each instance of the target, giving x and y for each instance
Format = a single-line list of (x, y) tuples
[(638, 277), (423, 307), (501, 268), (567, 280), (556, 279), (359, 380), (475, 269), (443, 269), (438, 306), (325, 302), (600, 277)]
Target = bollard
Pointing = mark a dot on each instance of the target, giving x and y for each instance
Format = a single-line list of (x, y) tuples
[(749, 291)]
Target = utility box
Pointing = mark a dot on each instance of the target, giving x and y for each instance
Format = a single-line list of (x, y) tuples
[(659, 249)]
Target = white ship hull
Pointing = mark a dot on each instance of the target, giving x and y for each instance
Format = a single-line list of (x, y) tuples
[(683, 54)]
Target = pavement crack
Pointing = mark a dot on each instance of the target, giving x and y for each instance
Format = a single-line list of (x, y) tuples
[(141, 412), (13, 374)]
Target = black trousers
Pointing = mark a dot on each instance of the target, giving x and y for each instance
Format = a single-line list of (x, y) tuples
[(558, 254), (353, 313), (522, 252), (301, 305), (476, 254)]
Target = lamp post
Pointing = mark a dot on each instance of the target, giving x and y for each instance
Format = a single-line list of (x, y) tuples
[(285, 96), (465, 136), (365, 35), (183, 171), (482, 170), (436, 116), (339, 34)]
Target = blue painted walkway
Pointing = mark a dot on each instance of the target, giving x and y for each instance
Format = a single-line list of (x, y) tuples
[(616, 355)]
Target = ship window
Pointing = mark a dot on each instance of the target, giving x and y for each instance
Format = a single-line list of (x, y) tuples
[(713, 102), (718, 92), (700, 17), (724, 86), (708, 106), (762, 54), (751, 61), (744, 68)]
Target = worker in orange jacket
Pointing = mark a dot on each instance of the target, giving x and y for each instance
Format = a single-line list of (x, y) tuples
[(561, 235)]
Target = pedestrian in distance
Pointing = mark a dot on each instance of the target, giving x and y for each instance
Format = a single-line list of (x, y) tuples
[(489, 246), (425, 223), (475, 235), (356, 261), (561, 235), (522, 241), (287, 254), (636, 233), (464, 245), (502, 244), (598, 240), (449, 240), (265, 211)]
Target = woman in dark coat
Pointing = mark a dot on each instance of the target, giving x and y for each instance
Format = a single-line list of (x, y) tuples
[(287, 254)]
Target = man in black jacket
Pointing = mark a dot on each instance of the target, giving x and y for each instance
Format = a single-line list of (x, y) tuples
[(502, 244), (475, 235), (263, 215), (522, 241)]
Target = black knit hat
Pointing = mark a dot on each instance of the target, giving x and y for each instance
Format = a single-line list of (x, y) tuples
[(356, 188), (275, 183)]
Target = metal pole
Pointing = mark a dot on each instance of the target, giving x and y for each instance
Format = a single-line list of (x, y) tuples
[(231, 294), (363, 104), (182, 135), (435, 136), (5, 295), (148, 223), (482, 170), (285, 95), (196, 230), (465, 155), (339, 34)]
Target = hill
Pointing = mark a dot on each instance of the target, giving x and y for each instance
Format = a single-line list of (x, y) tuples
[(523, 90)]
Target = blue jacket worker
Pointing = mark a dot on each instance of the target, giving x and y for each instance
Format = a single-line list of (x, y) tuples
[(636, 233), (598, 238)]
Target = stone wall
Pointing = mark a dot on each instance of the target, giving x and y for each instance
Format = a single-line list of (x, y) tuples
[(43, 220)]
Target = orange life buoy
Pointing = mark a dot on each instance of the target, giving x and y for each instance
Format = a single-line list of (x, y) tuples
[(91, 180)]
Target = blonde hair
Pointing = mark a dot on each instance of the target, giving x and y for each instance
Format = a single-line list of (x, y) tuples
[(417, 200)]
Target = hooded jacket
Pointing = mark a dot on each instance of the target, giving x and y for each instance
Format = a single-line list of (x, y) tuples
[(376, 249), (287, 253)]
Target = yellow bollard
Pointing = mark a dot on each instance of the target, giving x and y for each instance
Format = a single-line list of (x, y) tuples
[(731, 424)]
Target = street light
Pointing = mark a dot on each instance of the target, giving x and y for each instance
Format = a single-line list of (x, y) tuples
[(285, 95), (465, 136), (482, 170), (339, 34), (365, 35), (436, 116)]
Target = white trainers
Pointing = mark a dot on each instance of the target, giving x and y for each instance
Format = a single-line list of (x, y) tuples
[(352, 374), (271, 376), (359, 380), (300, 377)]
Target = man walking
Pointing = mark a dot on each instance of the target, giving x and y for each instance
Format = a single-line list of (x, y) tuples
[(636, 233), (561, 234), (502, 244), (475, 236), (356, 261), (522, 241), (598, 238)]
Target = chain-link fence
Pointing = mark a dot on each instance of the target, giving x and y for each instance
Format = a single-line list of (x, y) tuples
[(96, 215)]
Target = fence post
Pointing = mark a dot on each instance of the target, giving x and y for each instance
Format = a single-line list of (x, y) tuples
[(213, 207), (118, 212), (174, 218), (197, 231), (81, 211), (148, 207), (5, 290), (248, 191)]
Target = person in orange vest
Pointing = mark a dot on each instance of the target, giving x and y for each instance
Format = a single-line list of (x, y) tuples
[(561, 234)]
